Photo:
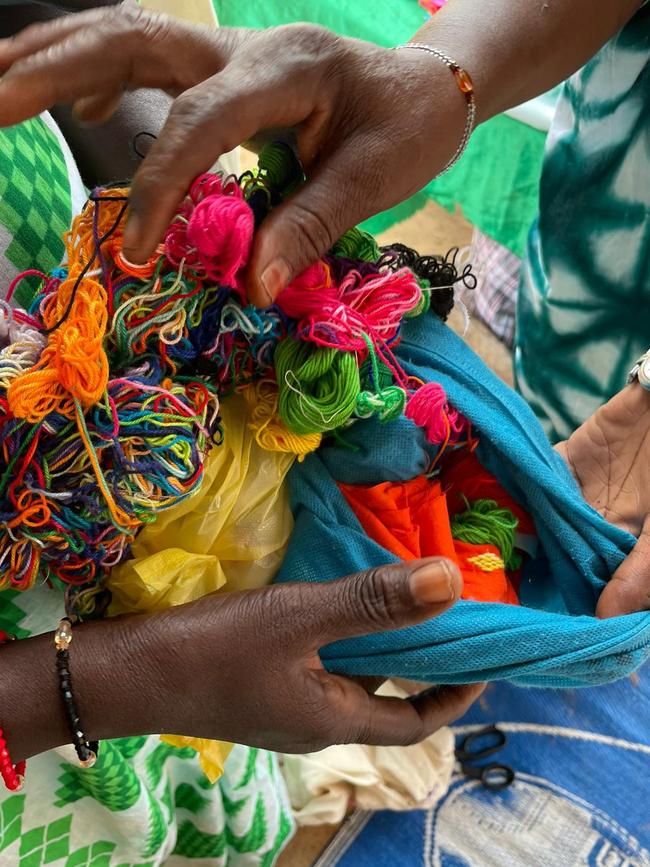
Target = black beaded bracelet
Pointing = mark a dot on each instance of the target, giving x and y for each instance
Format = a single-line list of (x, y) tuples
[(86, 750)]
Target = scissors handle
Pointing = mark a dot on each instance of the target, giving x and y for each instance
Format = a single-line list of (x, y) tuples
[(493, 776), (496, 740)]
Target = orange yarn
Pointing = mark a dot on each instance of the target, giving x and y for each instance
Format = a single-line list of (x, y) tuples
[(73, 365), (140, 271)]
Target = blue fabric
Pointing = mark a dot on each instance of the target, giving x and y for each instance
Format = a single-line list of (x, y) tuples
[(579, 799), (553, 639)]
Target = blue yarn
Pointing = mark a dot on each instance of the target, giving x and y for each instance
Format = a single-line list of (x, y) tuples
[(553, 638), (202, 336)]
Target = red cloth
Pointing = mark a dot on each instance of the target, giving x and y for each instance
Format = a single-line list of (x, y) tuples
[(464, 477), (411, 520)]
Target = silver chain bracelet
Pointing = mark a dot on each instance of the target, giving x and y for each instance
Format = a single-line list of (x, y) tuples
[(466, 87)]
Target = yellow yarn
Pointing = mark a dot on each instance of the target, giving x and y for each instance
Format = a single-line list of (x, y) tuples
[(270, 431), (487, 562)]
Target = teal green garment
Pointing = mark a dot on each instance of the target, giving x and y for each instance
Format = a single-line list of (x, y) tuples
[(495, 184), (584, 301)]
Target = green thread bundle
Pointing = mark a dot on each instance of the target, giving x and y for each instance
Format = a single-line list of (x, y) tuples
[(357, 245), (485, 523), (379, 394), (424, 303), (280, 169), (318, 387)]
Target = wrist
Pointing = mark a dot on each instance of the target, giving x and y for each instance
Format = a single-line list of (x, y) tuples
[(442, 107), (116, 681), (465, 88)]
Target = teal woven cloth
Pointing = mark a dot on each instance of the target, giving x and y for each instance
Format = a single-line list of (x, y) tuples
[(553, 638)]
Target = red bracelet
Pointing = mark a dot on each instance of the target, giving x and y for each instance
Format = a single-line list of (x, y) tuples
[(13, 775)]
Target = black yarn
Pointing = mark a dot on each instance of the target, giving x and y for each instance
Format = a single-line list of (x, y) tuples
[(440, 272), (134, 143)]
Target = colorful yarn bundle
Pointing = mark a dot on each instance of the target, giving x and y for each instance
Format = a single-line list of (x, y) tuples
[(110, 382)]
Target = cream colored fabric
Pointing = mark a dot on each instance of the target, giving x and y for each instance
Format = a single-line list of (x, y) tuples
[(324, 786), (196, 11)]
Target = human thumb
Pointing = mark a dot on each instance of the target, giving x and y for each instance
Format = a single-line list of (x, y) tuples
[(387, 597), (299, 232), (628, 590)]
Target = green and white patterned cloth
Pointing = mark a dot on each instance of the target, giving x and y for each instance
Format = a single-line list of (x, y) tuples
[(144, 803), (584, 300), (40, 189)]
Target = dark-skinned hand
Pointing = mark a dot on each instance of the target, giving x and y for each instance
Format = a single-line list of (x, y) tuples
[(362, 129), (241, 667)]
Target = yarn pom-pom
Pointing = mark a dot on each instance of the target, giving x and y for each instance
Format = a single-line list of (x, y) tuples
[(429, 409), (308, 291), (221, 232), (213, 231)]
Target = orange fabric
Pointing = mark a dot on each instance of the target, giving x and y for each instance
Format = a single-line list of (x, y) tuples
[(411, 520), (479, 585)]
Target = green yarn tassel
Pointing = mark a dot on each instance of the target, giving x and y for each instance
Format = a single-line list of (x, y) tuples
[(357, 245), (318, 386), (379, 394), (486, 523), (389, 403), (281, 168)]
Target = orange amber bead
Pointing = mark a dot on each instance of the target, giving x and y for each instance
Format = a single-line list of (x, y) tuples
[(464, 81)]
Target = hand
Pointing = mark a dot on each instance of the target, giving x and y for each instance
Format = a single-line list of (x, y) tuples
[(242, 667), (609, 455), (254, 675), (373, 125)]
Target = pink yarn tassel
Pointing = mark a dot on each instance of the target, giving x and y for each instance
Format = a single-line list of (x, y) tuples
[(213, 231), (429, 409), (340, 316)]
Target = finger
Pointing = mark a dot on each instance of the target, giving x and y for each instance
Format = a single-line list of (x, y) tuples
[(628, 590), (301, 230), (97, 109), (381, 599), (382, 721), (205, 122), (38, 37), (145, 50)]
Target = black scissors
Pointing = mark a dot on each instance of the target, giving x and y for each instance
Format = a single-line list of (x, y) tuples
[(493, 775)]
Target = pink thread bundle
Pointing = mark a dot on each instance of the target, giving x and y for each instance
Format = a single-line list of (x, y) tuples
[(428, 408), (213, 231), (338, 317)]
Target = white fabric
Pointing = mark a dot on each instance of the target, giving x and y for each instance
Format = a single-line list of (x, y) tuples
[(323, 787)]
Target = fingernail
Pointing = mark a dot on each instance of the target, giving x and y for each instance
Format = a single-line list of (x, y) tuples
[(275, 278), (132, 237), (436, 581)]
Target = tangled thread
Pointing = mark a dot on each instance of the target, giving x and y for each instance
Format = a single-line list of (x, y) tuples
[(110, 380)]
